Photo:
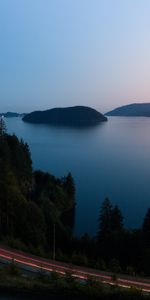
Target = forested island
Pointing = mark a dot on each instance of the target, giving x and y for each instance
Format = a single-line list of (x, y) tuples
[(68, 116), (131, 110)]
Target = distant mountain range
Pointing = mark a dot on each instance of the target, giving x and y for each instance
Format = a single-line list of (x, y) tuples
[(11, 115), (131, 110), (69, 116)]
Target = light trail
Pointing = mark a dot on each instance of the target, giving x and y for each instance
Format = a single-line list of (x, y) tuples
[(36, 263)]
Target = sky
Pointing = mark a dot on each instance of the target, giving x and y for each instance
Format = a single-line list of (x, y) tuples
[(56, 53)]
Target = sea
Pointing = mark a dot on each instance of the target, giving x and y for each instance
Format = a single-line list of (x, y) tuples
[(110, 160)]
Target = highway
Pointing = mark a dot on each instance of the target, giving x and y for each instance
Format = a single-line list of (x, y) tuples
[(34, 263)]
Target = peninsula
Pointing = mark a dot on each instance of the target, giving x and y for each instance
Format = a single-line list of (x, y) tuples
[(68, 116), (131, 110)]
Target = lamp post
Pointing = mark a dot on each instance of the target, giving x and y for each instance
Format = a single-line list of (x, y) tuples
[(54, 241)]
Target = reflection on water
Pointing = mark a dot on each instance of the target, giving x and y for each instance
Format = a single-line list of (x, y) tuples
[(111, 159)]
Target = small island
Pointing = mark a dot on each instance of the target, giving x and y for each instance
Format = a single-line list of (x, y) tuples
[(11, 114), (67, 116), (131, 110)]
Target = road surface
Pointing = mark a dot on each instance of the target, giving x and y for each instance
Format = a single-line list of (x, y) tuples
[(34, 263)]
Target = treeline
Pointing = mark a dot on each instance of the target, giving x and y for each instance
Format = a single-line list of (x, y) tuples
[(130, 247), (32, 202), (115, 248)]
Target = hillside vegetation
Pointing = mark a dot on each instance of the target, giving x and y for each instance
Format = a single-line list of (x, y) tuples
[(31, 202)]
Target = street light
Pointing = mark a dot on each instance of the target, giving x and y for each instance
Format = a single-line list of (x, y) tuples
[(54, 241)]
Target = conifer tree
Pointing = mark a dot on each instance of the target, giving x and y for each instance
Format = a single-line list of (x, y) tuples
[(110, 220), (2, 127), (105, 219), (116, 220), (69, 185), (146, 222), (146, 230)]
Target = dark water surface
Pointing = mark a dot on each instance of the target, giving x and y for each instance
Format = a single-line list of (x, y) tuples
[(111, 159)]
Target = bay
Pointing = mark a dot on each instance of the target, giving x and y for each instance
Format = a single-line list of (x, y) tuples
[(109, 160)]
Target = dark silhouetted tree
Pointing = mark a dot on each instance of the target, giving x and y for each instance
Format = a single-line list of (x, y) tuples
[(3, 129), (146, 222), (146, 229), (105, 220), (116, 219)]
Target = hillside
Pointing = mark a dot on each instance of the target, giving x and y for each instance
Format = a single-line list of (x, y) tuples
[(70, 116), (31, 202), (131, 110)]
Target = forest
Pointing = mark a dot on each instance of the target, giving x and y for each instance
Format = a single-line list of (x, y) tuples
[(33, 203)]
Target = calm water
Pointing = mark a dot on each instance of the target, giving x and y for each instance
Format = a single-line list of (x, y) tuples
[(112, 159)]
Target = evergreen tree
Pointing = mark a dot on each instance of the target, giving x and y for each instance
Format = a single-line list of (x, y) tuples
[(2, 127), (68, 215), (146, 229), (105, 220), (146, 222), (69, 185), (116, 219)]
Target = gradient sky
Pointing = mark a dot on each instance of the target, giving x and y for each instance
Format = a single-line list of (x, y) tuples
[(73, 52)]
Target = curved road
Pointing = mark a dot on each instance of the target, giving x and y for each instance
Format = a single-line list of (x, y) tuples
[(33, 263)]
